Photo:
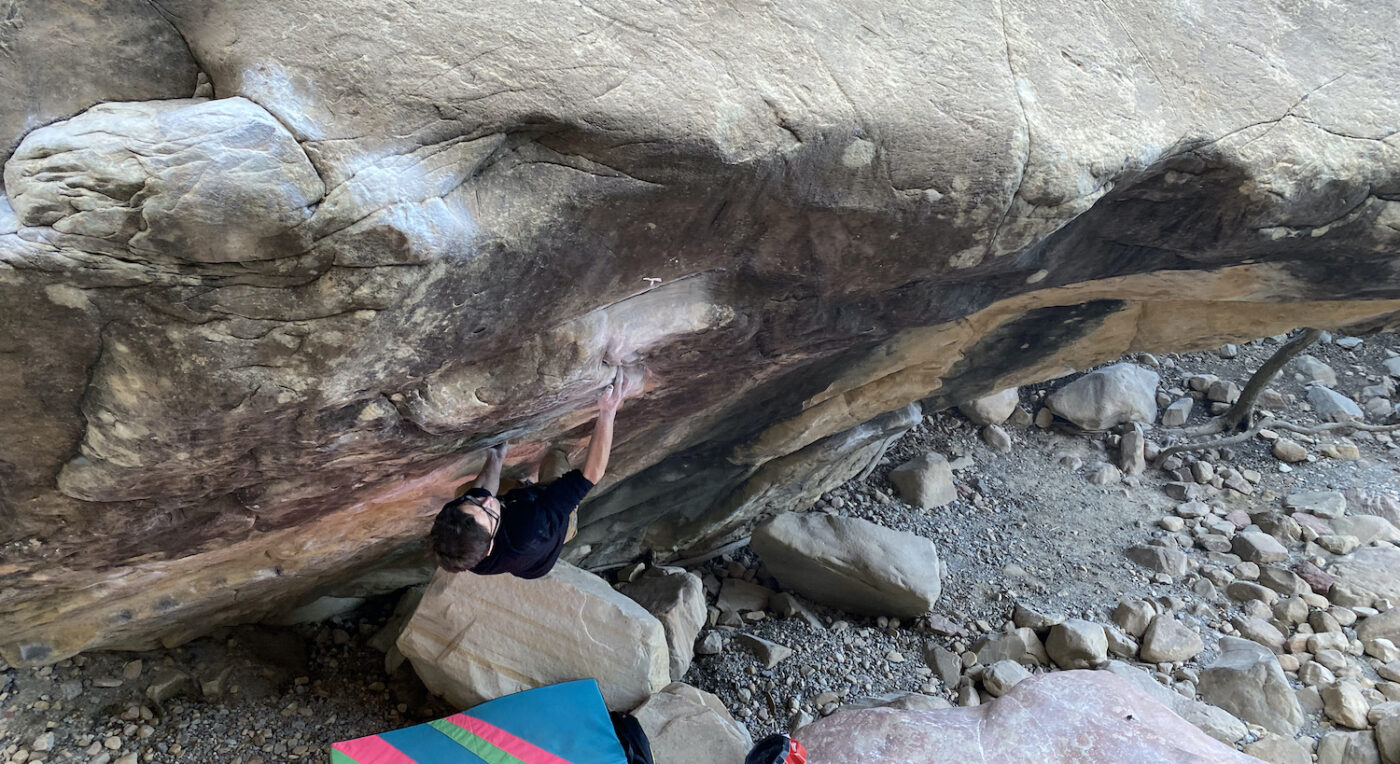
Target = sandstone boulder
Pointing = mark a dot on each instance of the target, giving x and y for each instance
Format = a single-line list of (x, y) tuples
[(1106, 397), (925, 482), (851, 564), (991, 409), (1076, 644), (1069, 716), (1167, 640), (473, 638), (766, 209), (686, 725), (1332, 406), (1324, 504), (1215, 722), (1246, 681), (677, 599), (1314, 370), (1373, 569)]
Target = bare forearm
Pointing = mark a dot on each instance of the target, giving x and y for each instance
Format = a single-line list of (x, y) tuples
[(599, 447), (490, 476)]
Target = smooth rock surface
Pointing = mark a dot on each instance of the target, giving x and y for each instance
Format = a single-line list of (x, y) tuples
[(1246, 681), (925, 482), (796, 217), (991, 409), (677, 599), (1069, 716), (473, 638), (686, 725), (851, 564), (1109, 396)]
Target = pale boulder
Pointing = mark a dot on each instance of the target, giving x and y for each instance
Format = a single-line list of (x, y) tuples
[(1077, 643), (1374, 569), (1167, 640), (851, 564), (677, 599), (925, 482), (686, 725), (1106, 397), (474, 638), (1065, 716), (1332, 406), (1247, 681), (991, 409)]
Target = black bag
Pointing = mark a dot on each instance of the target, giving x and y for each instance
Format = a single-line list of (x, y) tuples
[(777, 749), (634, 741)]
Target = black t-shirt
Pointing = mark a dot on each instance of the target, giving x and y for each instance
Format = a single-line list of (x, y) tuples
[(534, 521)]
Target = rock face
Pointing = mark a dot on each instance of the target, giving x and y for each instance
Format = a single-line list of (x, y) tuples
[(1246, 680), (690, 726), (1110, 396), (851, 564), (251, 343), (1058, 717), (474, 638)]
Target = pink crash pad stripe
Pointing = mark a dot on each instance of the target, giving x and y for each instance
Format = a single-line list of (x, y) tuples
[(371, 750), (517, 747)]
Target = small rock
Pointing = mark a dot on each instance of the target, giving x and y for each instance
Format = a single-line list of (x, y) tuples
[(1000, 677), (991, 409), (1332, 406), (996, 438), (1258, 547), (1159, 559), (1077, 644), (925, 482), (769, 653), (1345, 705), (1288, 451), (1338, 544), (1168, 641), (1177, 413)]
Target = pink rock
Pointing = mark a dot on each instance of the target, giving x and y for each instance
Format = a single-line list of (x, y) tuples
[(1319, 526), (1320, 580), (1239, 518), (1065, 716)]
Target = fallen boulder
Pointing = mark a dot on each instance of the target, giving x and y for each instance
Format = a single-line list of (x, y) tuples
[(677, 599), (1332, 406), (1070, 716), (686, 725), (474, 638), (1113, 395), (1247, 681), (1374, 569), (925, 482), (991, 409), (851, 564)]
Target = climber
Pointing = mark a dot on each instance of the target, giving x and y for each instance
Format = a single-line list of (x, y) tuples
[(523, 531)]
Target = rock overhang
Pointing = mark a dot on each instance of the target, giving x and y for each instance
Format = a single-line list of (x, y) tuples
[(460, 265)]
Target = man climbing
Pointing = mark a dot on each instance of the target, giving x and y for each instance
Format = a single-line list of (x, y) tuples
[(522, 531)]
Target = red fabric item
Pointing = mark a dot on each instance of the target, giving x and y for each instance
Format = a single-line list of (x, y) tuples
[(796, 753)]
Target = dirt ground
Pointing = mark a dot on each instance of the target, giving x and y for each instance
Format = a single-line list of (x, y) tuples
[(1030, 528)]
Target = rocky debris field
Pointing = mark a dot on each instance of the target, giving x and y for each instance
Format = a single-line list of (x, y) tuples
[(1249, 587)]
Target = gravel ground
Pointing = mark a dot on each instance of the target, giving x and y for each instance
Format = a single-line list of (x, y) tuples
[(1030, 528)]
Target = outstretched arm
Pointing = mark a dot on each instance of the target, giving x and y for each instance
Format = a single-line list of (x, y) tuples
[(600, 445), (489, 478)]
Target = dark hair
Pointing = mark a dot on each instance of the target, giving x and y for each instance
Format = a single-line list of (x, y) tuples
[(459, 541)]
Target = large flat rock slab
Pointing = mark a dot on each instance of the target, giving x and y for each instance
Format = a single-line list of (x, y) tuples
[(1058, 718), (474, 638), (851, 564)]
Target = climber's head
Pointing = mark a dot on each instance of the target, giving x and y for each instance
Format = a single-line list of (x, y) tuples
[(464, 532)]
